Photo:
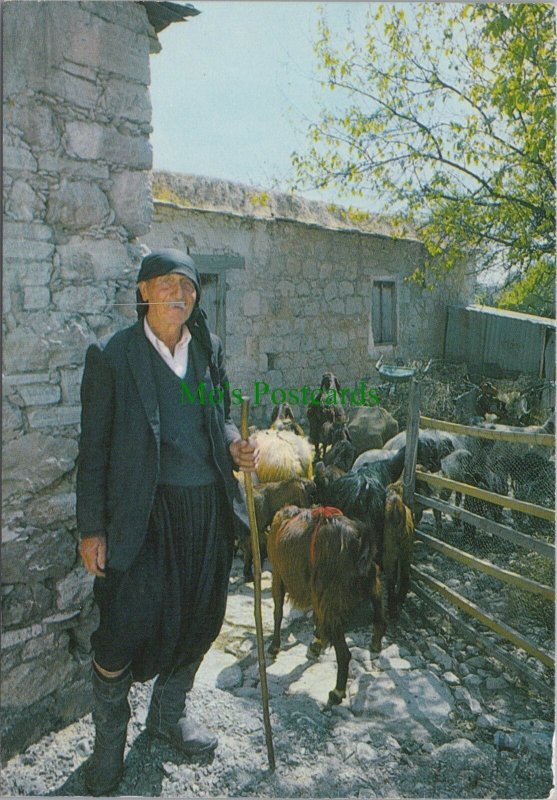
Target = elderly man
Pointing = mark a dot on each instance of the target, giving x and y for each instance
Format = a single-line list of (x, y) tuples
[(157, 505)]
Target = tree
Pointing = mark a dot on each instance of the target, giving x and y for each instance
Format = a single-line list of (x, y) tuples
[(446, 112)]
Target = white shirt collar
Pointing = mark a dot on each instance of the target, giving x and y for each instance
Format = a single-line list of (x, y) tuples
[(178, 362)]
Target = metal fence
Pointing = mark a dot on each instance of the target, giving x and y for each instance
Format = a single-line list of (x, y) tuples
[(487, 552)]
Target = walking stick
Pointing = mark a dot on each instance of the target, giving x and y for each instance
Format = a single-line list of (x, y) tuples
[(257, 591)]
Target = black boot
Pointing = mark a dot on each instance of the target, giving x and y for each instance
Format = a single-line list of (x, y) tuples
[(167, 712), (111, 713)]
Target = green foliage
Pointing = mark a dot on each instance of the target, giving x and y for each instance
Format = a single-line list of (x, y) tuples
[(446, 112)]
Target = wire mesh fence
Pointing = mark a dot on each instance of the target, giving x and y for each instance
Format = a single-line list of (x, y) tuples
[(486, 540)]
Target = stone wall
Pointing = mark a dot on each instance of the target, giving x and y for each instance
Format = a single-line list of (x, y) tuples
[(302, 304), (76, 194)]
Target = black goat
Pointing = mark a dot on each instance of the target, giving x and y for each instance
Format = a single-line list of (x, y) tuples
[(324, 414)]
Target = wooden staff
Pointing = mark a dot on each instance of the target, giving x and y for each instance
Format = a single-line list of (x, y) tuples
[(257, 591)]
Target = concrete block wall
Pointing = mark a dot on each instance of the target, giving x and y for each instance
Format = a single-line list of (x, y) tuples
[(76, 195)]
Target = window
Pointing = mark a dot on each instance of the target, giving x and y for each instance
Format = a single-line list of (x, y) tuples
[(383, 312)]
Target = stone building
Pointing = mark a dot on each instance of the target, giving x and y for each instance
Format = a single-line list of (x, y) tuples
[(77, 193), (295, 288), (288, 284)]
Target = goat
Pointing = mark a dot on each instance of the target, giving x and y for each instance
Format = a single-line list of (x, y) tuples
[(327, 562), (457, 466), (342, 452), (427, 455), (387, 469), (492, 482), (282, 419), (398, 546), (432, 447), (282, 455), (268, 498), (322, 415)]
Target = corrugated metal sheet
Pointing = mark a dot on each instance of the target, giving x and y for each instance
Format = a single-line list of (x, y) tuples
[(496, 342)]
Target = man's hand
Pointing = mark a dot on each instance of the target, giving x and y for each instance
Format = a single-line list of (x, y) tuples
[(93, 553), (245, 454)]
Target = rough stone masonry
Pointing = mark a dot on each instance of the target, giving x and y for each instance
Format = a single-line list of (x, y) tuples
[(77, 198), (77, 193)]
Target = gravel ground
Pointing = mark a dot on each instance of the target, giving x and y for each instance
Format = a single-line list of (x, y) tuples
[(430, 717)]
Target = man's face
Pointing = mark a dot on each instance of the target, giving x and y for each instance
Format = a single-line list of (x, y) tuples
[(171, 299)]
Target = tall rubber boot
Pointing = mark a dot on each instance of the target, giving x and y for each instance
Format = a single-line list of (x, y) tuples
[(111, 714), (167, 716)]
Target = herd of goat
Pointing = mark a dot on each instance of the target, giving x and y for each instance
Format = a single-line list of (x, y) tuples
[(331, 518)]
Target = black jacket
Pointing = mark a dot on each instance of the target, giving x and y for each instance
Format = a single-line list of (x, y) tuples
[(118, 461)]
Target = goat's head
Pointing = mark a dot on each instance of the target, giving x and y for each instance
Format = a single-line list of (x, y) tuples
[(329, 381), (429, 455), (282, 411)]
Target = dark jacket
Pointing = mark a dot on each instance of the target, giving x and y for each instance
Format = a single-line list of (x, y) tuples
[(118, 461)]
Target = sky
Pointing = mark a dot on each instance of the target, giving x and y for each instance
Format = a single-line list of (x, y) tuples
[(233, 89)]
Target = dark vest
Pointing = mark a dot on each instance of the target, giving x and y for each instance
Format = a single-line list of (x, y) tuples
[(186, 457)]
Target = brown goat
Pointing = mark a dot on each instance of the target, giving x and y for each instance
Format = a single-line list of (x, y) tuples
[(268, 498), (327, 562), (398, 545)]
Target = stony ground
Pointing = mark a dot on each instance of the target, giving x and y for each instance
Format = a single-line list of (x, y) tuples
[(430, 717)]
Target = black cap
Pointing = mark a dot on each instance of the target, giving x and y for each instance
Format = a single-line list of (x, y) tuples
[(161, 262)]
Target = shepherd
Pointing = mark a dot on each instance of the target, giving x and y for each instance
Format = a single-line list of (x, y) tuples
[(157, 510)]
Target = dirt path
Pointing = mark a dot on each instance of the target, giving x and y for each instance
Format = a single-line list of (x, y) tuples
[(430, 717)]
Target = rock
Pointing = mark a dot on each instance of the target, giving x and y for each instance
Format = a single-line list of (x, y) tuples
[(125, 99), (394, 663), (83, 748), (403, 694), (451, 679), (215, 664), (392, 651), (89, 140), (51, 510), (35, 297), (366, 754), (487, 721), (440, 656), (24, 351), (77, 205), (474, 706), (507, 741), (94, 260), (460, 754), (18, 159), (130, 197), (496, 683), (87, 299), (33, 680), (40, 394), (72, 590), (230, 678), (24, 204), (316, 681), (37, 556), (538, 743), (26, 603), (472, 680), (58, 416)]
